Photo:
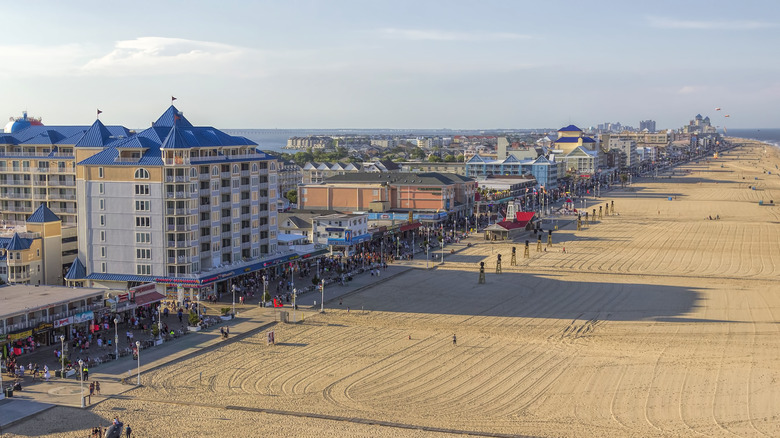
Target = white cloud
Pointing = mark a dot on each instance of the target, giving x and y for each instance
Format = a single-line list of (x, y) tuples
[(31, 60), (673, 23), (159, 55), (440, 35)]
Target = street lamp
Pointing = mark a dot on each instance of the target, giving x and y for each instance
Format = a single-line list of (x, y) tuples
[(81, 372), (138, 355), (322, 303), (116, 339), (62, 357), (159, 322), (295, 295), (234, 299)]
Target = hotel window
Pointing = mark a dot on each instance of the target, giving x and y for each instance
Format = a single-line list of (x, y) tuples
[(142, 189), (215, 247), (142, 221), (254, 196), (254, 167), (142, 205), (193, 173), (215, 231), (103, 267), (102, 236), (143, 269), (100, 188), (143, 237), (235, 168), (215, 171), (143, 253), (101, 204), (100, 172), (102, 219), (102, 251), (141, 174)]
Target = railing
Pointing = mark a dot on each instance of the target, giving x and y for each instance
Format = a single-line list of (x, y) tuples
[(62, 183), (127, 159), (177, 211), (36, 154), (226, 189), (177, 161), (16, 195), (63, 210), (181, 227), (177, 195), (244, 173), (180, 243), (14, 208), (226, 175), (15, 182), (204, 192), (204, 176), (59, 196), (177, 178)]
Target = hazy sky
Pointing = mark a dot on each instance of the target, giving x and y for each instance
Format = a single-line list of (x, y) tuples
[(393, 64)]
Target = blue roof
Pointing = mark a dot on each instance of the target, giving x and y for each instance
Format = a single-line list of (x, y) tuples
[(568, 140), (170, 116), (109, 156), (570, 128), (17, 243), (588, 140), (61, 135), (43, 214), (119, 277), (77, 271), (175, 140), (96, 136)]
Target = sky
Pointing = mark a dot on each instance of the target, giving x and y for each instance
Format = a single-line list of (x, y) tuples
[(393, 64)]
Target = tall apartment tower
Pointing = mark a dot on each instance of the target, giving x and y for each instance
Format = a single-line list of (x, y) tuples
[(174, 203), (647, 124)]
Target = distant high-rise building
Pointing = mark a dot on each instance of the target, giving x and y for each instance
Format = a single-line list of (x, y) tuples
[(647, 124)]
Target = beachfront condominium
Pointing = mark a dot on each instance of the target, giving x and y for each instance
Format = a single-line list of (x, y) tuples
[(174, 203)]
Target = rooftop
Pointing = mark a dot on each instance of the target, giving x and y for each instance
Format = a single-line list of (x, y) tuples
[(429, 178), (18, 299)]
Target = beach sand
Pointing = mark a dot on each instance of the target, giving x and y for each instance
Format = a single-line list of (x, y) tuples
[(655, 322)]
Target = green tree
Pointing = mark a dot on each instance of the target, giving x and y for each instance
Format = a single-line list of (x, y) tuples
[(292, 196), (460, 158), (434, 159), (449, 158)]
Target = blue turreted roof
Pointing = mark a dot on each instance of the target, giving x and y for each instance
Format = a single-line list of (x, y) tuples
[(171, 116), (108, 157), (16, 243), (77, 271), (175, 140), (42, 215), (96, 136), (60, 135), (570, 128)]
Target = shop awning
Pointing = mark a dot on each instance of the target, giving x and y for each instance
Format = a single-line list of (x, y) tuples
[(148, 298), (413, 226)]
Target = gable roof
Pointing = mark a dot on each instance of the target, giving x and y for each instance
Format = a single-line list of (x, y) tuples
[(42, 215), (570, 128)]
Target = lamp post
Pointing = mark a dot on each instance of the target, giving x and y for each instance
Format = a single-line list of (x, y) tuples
[(159, 322), (116, 339), (81, 373), (427, 245), (62, 357), (322, 303), (234, 299), (295, 295), (138, 355)]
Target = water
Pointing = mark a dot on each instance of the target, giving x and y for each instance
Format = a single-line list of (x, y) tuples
[(767, 135)]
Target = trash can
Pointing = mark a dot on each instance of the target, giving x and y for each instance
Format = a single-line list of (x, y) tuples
[(9, 392)]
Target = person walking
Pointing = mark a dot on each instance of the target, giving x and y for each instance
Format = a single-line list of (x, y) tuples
[(128, 431), (97, 387), (454, 340)]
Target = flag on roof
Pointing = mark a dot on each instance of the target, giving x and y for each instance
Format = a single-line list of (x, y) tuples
[(172, 98), (99, 112)]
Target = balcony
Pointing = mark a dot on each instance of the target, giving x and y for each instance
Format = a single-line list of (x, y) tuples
[(64, 210), (61, 170), (177, 195), (36, 154), (15, 195), (17, 209), (17, 169), (226, 175), (181, 227), (183, 260), (15, 182), (225, 190), (56, 195), (177, 179), (56, 183), (180, 243), (176, 211), (204, 192), (179, 161), (244, 173)]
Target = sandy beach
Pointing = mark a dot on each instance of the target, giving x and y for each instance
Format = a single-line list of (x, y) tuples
[(656, 321)]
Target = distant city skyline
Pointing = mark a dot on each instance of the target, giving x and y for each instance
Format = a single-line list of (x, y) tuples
[(400, 64)]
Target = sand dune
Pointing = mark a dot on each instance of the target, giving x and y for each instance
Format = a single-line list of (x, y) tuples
[(656, 322)]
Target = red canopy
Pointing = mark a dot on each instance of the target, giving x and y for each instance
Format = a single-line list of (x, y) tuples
[(523, 217)]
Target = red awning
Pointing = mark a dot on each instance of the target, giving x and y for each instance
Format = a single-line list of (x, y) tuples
[(510, 225), (413, 226), (148, 298)]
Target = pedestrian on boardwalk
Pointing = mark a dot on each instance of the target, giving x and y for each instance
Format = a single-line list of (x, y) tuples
[(92, 389), (97, 387), (454, 340)]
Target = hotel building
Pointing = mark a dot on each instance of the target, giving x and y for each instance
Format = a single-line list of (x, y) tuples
[(179, 205)]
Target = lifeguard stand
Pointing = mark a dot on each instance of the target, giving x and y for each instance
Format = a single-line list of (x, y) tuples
[(549, 238), (481, 272), (527, 252)]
